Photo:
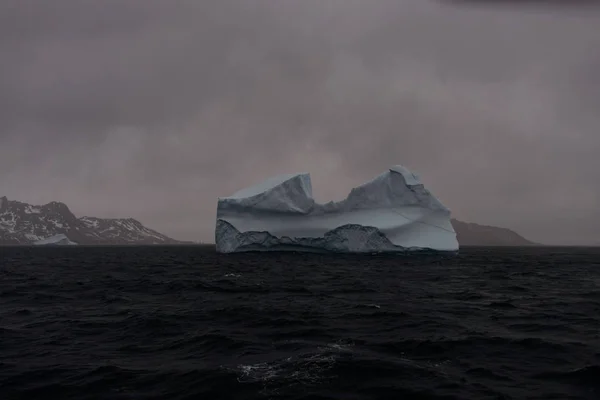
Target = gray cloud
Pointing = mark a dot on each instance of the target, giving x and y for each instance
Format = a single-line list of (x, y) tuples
[(153, 109)]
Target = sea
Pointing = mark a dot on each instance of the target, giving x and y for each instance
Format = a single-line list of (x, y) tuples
[(187, 323)]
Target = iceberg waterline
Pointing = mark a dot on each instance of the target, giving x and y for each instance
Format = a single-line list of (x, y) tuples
[(394, 212)]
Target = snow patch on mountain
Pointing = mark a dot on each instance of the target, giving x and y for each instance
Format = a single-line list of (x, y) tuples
[(56, 240)]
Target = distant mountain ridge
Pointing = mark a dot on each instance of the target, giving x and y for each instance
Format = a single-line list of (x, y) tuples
[(23, 224), (470, 234)]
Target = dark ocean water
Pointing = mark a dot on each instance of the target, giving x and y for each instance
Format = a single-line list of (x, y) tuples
[(186, 323)]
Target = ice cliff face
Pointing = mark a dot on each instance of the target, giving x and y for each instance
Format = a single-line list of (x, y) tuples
[(392, 213)]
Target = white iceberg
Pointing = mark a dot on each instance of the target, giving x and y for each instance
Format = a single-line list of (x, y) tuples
[(56, 240), (392, 213)]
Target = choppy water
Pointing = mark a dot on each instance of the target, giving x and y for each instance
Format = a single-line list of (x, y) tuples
[(186, 323)]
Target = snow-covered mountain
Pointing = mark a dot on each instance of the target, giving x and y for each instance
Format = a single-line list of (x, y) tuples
[(22, 224)]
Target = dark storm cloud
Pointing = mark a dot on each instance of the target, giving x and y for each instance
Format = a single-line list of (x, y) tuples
[(153, 109)]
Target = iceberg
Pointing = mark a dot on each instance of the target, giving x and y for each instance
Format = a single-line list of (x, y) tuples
[(56, 240), (393, 212)]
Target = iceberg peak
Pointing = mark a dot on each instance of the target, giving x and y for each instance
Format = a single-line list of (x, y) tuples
[(410, 177)]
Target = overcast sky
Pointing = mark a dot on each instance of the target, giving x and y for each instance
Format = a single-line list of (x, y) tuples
[(153, 108)]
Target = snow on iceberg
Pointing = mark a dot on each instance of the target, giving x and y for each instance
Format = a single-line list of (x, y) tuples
[(56, 240), (394, 212)]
